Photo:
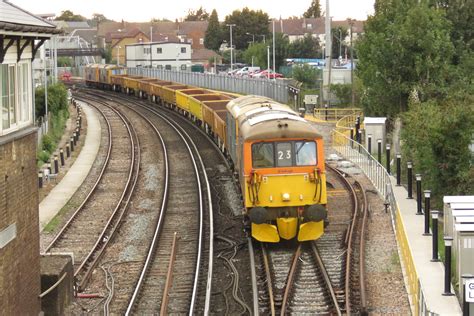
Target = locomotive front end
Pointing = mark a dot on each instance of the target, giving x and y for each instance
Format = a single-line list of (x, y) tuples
[(285, 189)]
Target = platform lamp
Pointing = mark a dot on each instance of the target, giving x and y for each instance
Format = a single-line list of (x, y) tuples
[(448, 242)]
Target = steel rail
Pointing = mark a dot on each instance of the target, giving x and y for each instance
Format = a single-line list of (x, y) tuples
[(253, 275), (199, 252), (349, 237), (182, 132), (289, 280), (79, 208), (327, 280), (362, 285), (269, 279), (126, 195)]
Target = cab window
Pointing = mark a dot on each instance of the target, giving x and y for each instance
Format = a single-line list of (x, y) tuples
[(263, 155), (284, 154), (305, 153)]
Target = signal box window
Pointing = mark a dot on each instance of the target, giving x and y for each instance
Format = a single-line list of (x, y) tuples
[(159, 50), (263, 155), (305, 153), (183, 50)]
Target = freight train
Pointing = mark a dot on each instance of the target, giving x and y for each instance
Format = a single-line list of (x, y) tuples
[(277, 156)]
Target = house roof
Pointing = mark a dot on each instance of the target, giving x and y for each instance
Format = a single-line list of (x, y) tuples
[(13, 18), (203, 54), (311, 26), (188, 27)]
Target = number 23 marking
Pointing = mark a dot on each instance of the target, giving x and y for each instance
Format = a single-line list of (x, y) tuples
[(280, 155)]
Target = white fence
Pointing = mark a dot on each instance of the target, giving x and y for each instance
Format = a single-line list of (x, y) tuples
[(274, 89)]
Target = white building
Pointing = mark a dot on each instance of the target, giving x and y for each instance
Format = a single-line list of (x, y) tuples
[(163, 55)]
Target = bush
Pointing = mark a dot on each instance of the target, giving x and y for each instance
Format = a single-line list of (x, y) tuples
[(308, 75), (47, 144), (436, 137)]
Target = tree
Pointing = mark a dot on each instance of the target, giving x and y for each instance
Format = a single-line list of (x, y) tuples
[(307, 75), (98, 18), (314, 11), (436, 137), (246, 21), (68, 15), (306, 47), (338, 46), (257, 52), (406, 46), (213, 37), (198, 15)]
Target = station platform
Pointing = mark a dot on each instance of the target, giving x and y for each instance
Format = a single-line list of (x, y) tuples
[(424, 278), (64, 190)]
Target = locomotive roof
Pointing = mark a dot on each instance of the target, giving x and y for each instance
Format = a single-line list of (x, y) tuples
[(262, 118), (241, 104)]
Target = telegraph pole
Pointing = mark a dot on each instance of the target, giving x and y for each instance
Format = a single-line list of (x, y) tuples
[(328, 51), (351, 23), (231, 48)]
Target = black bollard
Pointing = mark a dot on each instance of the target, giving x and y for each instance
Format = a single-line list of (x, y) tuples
[(434, 224), (352, 138), (359, 137), (410, 179), (61, 156), (418, 194), (369, 144), (387, 154), (40, 179), (74, 138), (48, 165), (448, 242), (71, 144), (379, 151), (56, 164), (399, 170), (465, 303), (77, 133), (68, 151), (427, 213)]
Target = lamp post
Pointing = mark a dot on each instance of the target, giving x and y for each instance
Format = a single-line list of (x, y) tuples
[(274, 66), (340, 44), (253, 37), (231, 47), (263, 35), (351, 23), (268, 61)]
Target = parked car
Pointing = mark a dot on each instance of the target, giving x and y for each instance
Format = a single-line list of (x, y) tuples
[(267, 73), (244, 72), (233, 72)]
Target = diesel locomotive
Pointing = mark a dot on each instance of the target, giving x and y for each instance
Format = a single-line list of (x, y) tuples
[(278, 156)]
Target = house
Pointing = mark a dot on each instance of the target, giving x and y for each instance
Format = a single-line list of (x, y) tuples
[(206, 57), (21, 35), (162, 55), (192, 32), (118, 41), (298, 28)]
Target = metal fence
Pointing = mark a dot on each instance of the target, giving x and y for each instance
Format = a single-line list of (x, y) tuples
[(274, 89), (380, 178)]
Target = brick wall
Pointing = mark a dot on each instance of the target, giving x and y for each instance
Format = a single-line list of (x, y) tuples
[(19, 259)]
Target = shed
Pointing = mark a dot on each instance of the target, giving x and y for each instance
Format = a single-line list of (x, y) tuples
[(375, 127)]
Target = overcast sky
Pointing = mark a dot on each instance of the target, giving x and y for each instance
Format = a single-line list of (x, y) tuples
[(145, 10)]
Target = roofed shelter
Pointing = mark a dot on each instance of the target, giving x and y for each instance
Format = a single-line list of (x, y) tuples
[(21, 35)]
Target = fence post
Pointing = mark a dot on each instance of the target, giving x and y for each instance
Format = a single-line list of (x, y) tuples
[(434, 224), (410, 179), (387, 151), (399, 169)]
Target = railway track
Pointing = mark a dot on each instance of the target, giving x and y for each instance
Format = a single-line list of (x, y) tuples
[(96, 220), (166, 283), (321, 277)]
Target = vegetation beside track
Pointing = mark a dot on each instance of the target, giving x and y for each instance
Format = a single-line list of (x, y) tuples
[(58, 114)]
